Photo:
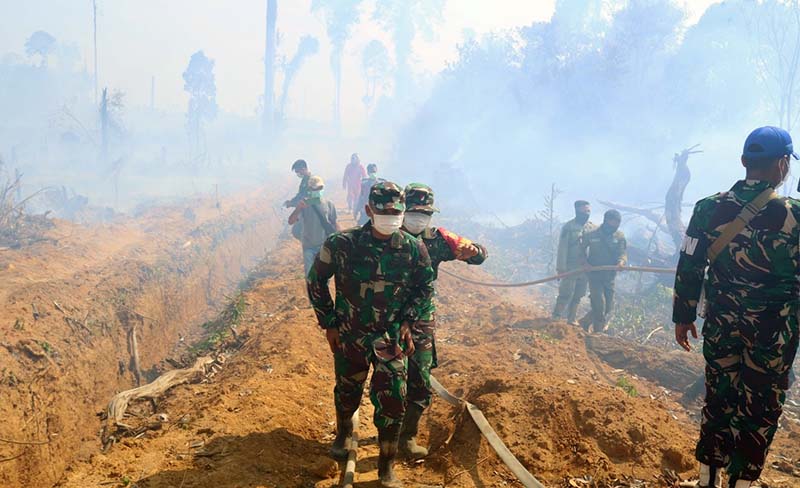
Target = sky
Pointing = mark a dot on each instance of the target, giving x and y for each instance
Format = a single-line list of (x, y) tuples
[(142, 39)]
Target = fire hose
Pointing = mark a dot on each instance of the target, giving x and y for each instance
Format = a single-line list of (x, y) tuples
[(640, 269), (505, 455)]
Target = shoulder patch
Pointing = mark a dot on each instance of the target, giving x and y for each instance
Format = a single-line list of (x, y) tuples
[(689, 245)]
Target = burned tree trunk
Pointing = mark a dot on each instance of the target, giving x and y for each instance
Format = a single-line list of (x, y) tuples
[(673, 202), (670, 222)]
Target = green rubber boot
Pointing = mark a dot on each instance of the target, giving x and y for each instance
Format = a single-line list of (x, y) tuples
[(408, 433), (344, 435), (387, 441)]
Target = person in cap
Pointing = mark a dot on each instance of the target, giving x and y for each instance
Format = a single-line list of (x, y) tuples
[(605, 246), (442, 245), (359, 214), (572, 256), (300, 168), (319, 220), (384, 283), (351, 181), (741, 248)]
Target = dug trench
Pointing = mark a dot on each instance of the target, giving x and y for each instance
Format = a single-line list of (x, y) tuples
[(265, 419), (93, 310)]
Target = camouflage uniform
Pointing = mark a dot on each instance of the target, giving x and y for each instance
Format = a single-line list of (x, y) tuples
[(750, 334), (379, 284), (571, 256), (604, 249), (442, 246)]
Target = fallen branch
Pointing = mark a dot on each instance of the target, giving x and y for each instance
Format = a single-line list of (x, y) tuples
[(118, 405), (134, 350)]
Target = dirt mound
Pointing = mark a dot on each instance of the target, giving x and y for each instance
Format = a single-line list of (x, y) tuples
[(72, 304), (266, 419)]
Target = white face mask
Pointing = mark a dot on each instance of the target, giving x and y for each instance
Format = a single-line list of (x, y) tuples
[(416, 222), (387, 224)]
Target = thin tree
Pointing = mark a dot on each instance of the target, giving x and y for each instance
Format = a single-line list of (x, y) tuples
[(376, 66), (200, 84), (270, 48), (340, 17), (40, 43), (94, 23), (775, 26), (307, 47), (405, 18)]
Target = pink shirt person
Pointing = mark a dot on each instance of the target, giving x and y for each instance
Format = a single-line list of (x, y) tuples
[(353, 173)]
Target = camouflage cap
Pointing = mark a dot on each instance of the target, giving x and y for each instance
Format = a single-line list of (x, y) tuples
[(386, 195), (419, 198)]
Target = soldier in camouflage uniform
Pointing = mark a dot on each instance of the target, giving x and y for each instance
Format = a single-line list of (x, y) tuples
[(606, 246), (384, 283), (442, 246), (750, 334), (572, 256)]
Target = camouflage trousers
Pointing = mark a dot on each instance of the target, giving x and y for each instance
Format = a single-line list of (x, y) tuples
[(387, 389), (570, 292), (422, 362), (748, 359)]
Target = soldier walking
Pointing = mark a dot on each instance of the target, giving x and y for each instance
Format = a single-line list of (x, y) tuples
[(442, 246), (606, 246), (384, 283), (747, 240), (572, 256)]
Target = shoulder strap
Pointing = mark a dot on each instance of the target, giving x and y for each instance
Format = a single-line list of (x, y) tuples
[(738, 224), (326, 224)]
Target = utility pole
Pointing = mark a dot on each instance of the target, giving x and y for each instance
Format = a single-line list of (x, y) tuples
[(94, 9), (268, 117)]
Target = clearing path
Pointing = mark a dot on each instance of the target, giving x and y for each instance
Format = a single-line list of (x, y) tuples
[(266, 419)]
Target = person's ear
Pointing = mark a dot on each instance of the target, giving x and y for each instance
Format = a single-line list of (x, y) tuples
[(368, 211)]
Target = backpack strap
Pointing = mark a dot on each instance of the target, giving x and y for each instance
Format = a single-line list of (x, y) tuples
[(734, 227)]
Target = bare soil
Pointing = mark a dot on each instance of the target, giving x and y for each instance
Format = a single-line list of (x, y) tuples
[(266, 419), (69, 305)]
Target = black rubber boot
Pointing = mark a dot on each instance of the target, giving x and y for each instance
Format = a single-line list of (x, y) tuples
[(408, 434), (344, 435), (387, 441)]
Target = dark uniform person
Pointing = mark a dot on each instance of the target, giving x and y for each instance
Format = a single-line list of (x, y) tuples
[(750, 334), (606, 246), (572, 256), (300, 168), (442, 246), (384, 283)]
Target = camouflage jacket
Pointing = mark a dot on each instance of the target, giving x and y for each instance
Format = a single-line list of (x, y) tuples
[(758, 271), (441, 246), (605, 249), (571, 254), (379, 283)]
